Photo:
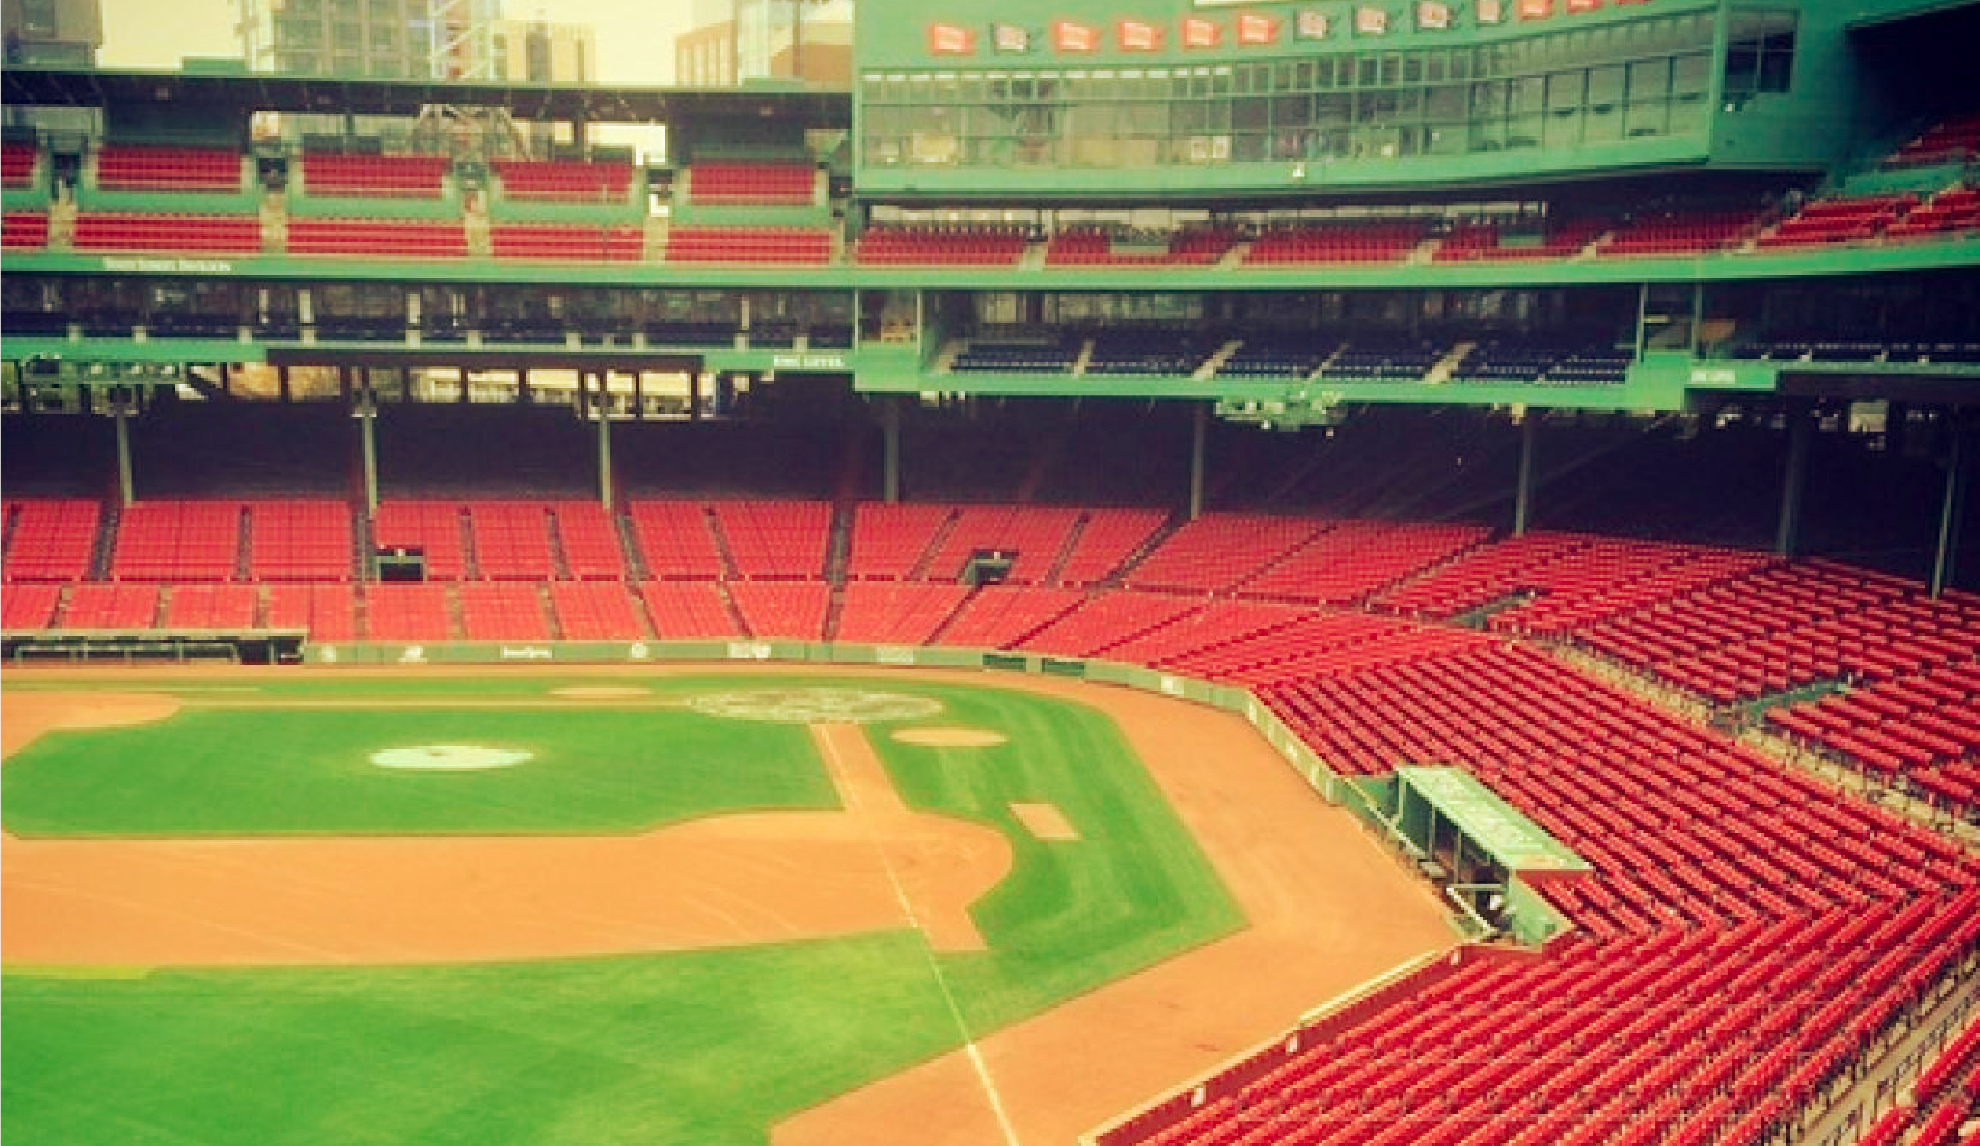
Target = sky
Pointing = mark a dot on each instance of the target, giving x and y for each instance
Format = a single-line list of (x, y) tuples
[(635, 37)]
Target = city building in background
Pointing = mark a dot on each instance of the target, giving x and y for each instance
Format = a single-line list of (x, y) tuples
[(58, 33), (737, 40), (411, 39)]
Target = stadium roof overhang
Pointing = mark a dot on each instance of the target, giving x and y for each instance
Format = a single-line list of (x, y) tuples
[(1915, 12), (85, 87)]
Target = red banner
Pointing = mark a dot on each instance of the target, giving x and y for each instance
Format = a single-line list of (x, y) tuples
[(1200, 33), (951, 40), (1138, 36), (1535, 9), (1072, 36), (1255, 29)]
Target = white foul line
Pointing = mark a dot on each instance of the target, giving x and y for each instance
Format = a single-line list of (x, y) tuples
[(821, 735)]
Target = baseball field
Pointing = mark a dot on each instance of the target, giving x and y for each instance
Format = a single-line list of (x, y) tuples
[(689, 906)]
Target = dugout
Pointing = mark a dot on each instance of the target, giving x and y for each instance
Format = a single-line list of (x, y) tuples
[(1481, 851)]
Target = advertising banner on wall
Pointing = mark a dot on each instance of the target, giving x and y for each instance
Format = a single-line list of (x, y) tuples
[(1073, 36), (951, 40), (1200, 33)]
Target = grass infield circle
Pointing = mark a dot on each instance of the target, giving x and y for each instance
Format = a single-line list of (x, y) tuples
[(815, 705)]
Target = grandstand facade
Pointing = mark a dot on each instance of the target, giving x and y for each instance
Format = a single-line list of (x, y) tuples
[(1625, 355)]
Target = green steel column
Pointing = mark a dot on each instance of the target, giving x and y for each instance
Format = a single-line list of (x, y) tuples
[(1950, 507), (890, 431), (1529, 441), (604, 409), (1787, 539), (120, 411), (367, 410), (1199, 433)]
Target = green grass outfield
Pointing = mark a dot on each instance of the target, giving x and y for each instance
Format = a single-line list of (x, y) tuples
[(708, 1048)]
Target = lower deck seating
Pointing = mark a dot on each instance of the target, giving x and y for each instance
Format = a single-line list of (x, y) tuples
[(796, 246), (229, 608), (596, 611), (575, 242), (688, 611), (23, 230), (374, 176), (103, 605), (677, 540), (896, 613), (140, 167), (783, 610), (1357, 242), (1221, 551), (1003, 617), (25, 608), (418, 611), (19, 160), (375, 237), (502, 611), (327, 612), (204, 234)]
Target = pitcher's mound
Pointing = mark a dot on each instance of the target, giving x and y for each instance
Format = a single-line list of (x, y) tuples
[(950, 737)]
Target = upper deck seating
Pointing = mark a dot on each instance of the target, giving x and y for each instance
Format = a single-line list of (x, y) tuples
[(1953, 141), (564, 181), (1004, 354), (19, 163), (375, 176), (980, 245), (1952, 210), (1677, 233), (1487, 242), (1373, 358), (1094, 245), (1841, 220), (1337, 242), (1158, 352), (130, 167), (1564, 361), (751, 184), (205, 234)]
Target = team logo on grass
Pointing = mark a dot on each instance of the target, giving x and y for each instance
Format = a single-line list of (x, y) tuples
[(815, 705), (449, 757)]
